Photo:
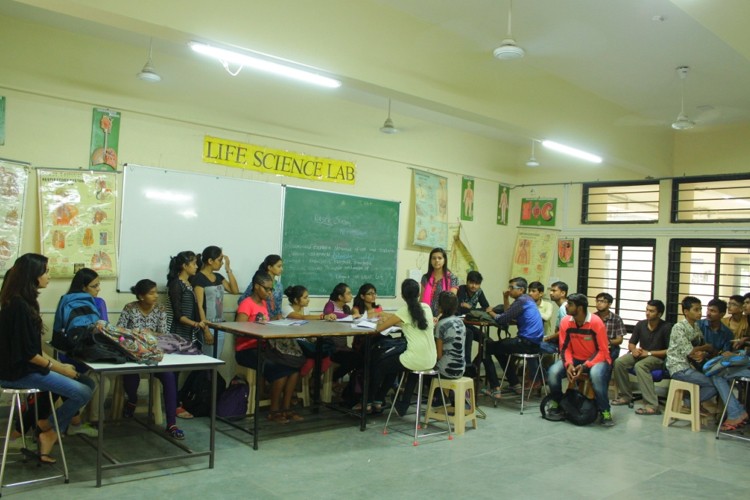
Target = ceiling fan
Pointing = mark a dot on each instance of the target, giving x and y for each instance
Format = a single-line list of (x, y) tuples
[(509, 49), (682, 122)]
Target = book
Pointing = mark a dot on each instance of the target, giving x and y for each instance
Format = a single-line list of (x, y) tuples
[(287, 322)]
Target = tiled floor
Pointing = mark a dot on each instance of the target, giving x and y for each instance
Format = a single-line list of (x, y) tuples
[(508, 456)]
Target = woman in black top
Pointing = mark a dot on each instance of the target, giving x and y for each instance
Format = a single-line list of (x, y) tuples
[(22, 364)]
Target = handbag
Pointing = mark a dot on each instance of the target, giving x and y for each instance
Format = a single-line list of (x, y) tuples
[(285, 352), (388, 347)]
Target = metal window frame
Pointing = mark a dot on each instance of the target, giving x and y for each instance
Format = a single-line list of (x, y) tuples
[(585, 199), (676, 183)]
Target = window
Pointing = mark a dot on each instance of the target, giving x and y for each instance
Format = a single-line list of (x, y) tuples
[(621, 267), (706, 269), (620, 203), (711, 199)]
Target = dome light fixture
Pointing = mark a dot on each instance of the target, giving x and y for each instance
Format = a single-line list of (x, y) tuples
[(509, 49), (148, 73), (388, 126), (532, 161)]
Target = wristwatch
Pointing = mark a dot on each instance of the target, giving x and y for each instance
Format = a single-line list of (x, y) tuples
[(648, 353)]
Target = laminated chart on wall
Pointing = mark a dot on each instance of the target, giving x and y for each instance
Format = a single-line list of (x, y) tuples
[(13, 181), (430, 210), (533, 254), (77, 212)]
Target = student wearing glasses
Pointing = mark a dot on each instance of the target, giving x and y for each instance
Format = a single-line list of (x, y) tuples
[(525, 313), (282, 378), (364, 302)]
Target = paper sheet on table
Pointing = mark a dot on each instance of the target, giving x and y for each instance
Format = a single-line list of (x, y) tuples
[(287, 322)]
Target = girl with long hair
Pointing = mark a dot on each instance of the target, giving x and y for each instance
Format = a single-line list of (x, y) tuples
[(437, 279)]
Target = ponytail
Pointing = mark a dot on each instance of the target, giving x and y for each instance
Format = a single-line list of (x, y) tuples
[(176, 263), (410, 294)]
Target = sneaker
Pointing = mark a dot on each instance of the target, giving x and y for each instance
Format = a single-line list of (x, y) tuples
[(606, 419), (554, 413), (85, 429)]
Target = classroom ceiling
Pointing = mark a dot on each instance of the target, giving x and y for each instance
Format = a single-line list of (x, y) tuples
[(598, 74)]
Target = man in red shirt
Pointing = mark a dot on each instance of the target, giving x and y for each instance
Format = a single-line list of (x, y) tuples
[(584, 348)]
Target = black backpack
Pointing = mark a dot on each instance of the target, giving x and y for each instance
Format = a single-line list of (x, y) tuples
[(576, 407), (195, 394)]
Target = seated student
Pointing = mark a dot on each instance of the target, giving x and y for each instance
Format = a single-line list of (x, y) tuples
[(536, 292), (647, 349), (615, 327), (282, 378), (146, 312), (684, 341), (736, 321), (558, 293), (471, 296), (299, 299), (744, 341), (717, 337), (736, 415), (421, 353), (583, 349), (338, 305), (364, 302)]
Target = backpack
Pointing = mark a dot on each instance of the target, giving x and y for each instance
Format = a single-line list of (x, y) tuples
[(76, 312), (195, 394), (724, 365), (95, 349), (232, 404), (139, 345), (576, 407), (172, 343)]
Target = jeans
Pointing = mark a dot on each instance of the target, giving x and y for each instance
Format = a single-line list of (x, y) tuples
[(502, 349), (734, 408), (76, 393), (598, 375), (169, 385), (208, 350), (382, 376), (707, 389)]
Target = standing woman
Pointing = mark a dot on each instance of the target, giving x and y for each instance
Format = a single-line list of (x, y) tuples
[(186, 321), (273, 266), (22, 364), (146, 312), (420, 354), (364, 302), (209, 287), (438, 279)]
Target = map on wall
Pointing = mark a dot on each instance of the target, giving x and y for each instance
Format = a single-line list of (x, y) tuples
[(533, 254), (77, 211), (430, 210), (13, 180)]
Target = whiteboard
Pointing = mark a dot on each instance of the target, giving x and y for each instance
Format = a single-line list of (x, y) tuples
[(165, 212)]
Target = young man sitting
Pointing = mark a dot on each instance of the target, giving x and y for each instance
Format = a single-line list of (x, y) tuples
[(583, 349), (648, 348)]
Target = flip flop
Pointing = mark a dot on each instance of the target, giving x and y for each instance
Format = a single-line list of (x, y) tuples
[(183, 413), (647, 411), (727, 427), (620, 402)]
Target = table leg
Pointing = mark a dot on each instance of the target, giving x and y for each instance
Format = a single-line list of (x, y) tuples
[(100, 429), (212, 425), (366, 384), (258, 387), (316, 372)]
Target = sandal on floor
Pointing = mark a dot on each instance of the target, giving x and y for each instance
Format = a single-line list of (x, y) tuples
[(516, 389), (496, 394), (277, 417), (175, 432), (358, 407), (647, 411), (729, 427), (183, 413), (293, 416), (620, 402), (128, 411)]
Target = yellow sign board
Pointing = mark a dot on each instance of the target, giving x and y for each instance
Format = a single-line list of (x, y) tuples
[(275, 161)]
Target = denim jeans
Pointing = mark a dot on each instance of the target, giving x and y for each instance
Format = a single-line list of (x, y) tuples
[(76, 393), (707, 389), (734, 408), (598, 375), (502, 349), (208, 350)]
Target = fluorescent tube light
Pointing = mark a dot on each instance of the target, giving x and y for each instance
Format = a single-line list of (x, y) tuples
[(562, 148), (245, 60)]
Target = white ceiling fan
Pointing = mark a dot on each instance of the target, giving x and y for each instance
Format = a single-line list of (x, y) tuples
[(682, 122), (509, 49)]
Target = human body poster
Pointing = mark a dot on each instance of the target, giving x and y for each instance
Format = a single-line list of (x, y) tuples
[(105, 140), (13, 181), (467, 198), (430, 209), (77, 211), (533, 254)]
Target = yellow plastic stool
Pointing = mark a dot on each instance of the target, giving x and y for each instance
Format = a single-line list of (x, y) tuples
[(460, 387), (677, 388)]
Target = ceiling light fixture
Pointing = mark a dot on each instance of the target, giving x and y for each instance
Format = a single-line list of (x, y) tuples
[(263, 63), (532, 161), (148, 73), (682, 122), (577, 153), (388, 127), (509, 49)]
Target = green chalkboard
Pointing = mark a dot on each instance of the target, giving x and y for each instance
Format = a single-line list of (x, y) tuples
[(331, 238)]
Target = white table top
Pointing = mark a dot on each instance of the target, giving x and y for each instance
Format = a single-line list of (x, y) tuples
[(181, 361)]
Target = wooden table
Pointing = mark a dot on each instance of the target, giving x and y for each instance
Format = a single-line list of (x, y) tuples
[(170, 363), (264, 331)]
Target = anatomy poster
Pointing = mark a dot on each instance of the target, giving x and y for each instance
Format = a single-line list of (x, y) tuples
[(503, 203), (77, 212), (467, 198), (105, 140), (565, 248), (13, 180), (538, 212), (430, 210), (533, 254)]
